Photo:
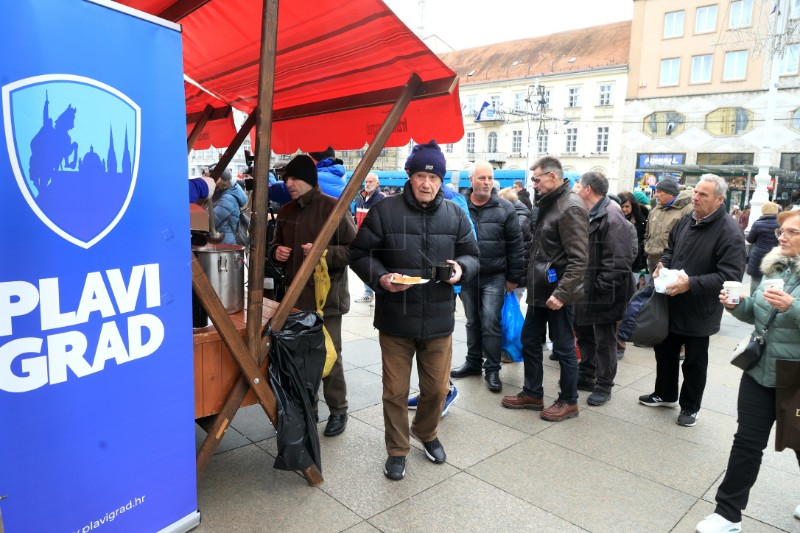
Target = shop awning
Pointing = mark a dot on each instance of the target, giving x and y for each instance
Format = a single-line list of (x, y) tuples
[(339, 67)]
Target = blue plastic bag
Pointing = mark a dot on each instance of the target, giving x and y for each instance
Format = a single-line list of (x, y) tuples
[(511, 319)]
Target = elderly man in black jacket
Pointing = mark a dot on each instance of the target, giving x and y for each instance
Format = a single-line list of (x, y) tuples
[(708, 245), (556, 270), (500, 244), (607, 287), (401, 236)]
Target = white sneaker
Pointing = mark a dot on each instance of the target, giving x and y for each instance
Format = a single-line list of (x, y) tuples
[(714, 523), (365, 298), (797, 512)]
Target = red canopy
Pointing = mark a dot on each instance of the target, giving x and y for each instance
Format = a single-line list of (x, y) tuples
[(339, 67)]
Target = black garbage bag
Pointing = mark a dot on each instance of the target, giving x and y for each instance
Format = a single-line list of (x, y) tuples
[(295, 371)]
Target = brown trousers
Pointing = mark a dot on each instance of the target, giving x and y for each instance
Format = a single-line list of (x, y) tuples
[(433, 367), (334, 389)]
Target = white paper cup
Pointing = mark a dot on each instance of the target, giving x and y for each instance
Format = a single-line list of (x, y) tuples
[(777, 283), (733, 291)]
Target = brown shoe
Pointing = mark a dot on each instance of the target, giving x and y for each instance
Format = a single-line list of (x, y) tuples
[(560, 411), (522, 401)]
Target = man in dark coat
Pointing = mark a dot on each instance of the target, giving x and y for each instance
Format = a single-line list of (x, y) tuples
[(400, 236), (500, 243), (708, 245), (523, 194), (607, 288), (370, 196), (299, 223), (556, 270)]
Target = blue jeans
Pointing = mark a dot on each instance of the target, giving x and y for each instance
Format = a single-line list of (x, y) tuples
[(537, 320), (483, 301)]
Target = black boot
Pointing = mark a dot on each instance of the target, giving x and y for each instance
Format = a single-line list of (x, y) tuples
[(493, 381)]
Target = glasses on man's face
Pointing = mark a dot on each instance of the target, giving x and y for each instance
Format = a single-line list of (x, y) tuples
[(788, 232), (537, 178)]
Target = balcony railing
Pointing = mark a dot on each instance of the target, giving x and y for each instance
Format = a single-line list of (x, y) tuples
[(491, 157)]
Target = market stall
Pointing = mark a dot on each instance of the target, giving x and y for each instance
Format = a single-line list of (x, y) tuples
[(310, 74)]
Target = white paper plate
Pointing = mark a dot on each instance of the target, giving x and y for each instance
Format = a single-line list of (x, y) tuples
[(399, 281)]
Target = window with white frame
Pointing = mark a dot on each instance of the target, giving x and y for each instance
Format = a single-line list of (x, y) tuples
[(605, 94), (602, 139), (491, 143), (542, 143), (471, 108), (791, 55), (705, 20), (735, 65), (572, 140), (701, 69), (573, 97), (470, 142), (516, 141), (519, 101), (448, 148), (495, 102), (794, 9), (741, 13), (673, 24), (670, 69), (547, 98)]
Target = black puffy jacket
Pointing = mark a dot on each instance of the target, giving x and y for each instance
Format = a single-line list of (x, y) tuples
[(499, 236), (762, 237), (390, 240)]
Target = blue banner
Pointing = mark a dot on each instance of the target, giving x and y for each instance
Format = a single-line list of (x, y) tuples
[(96, 375)]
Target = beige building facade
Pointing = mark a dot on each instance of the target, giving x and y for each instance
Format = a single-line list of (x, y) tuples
[(698, 91), (584, 78)]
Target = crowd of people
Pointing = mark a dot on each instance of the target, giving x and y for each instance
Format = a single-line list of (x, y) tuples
[(577, 253)]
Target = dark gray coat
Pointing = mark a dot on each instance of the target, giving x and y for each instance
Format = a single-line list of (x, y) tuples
[(608, 284), (710, 251)]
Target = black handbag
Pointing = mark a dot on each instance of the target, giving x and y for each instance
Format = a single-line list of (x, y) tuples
[(748, 352), (652, 322)]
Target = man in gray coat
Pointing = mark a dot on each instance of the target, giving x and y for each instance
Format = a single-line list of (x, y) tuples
[(608, 286)]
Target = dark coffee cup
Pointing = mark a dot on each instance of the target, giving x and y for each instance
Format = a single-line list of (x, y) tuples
[(442, 271)]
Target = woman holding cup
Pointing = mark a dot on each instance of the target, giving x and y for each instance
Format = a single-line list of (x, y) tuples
[(756, 403)]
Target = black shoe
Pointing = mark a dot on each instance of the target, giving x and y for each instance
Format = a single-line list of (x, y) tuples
[(552, 357), (395, 468), (465, 370), (493, 381), (598, 397), (336, 424), (434, 451)]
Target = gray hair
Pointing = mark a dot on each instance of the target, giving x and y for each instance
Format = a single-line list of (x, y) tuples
[(548, 163), (595, 181), (720, 185), (473, 166)]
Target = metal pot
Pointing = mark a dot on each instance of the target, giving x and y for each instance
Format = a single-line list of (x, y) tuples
[(224, 266)]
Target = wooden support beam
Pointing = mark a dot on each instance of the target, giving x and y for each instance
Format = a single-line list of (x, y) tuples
[(198, 127)]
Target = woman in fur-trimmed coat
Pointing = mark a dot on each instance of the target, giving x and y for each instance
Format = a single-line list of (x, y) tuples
[(756, 404)]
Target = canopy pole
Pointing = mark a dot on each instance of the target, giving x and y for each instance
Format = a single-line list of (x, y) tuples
[(198, 127), (263, 121)]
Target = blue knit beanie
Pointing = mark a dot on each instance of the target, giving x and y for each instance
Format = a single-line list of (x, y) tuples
[(426, 158)]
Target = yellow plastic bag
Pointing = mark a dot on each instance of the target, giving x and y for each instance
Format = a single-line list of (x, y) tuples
[(322, 285)]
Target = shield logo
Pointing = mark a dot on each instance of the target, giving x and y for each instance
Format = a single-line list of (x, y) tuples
[(73, 143)]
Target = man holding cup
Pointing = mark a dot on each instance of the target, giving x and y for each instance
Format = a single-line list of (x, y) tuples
[(707, 244), (403, 236)]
